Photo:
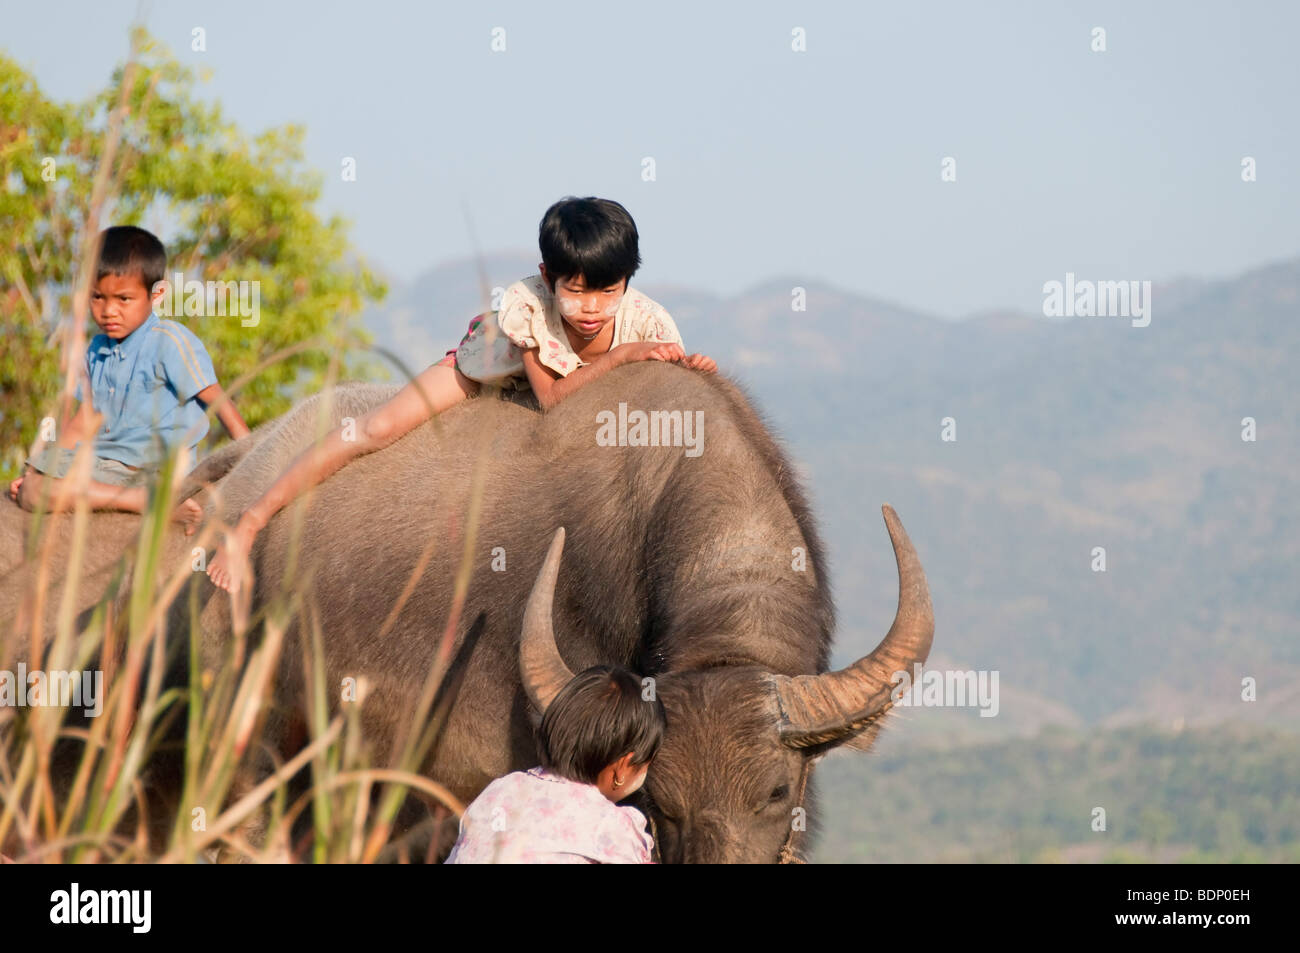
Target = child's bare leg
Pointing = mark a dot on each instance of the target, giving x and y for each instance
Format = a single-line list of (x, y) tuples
[(434, 390), (63, 496), (100, 496)]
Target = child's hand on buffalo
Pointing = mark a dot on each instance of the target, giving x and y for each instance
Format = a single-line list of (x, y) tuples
[(649, 351), (701, 362)]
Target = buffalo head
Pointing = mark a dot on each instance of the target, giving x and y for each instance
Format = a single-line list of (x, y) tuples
[(730, 783)]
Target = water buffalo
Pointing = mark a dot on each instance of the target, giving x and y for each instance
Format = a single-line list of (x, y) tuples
[(698, 567)]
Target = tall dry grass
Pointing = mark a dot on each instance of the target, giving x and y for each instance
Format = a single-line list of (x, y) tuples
[(175, 768)]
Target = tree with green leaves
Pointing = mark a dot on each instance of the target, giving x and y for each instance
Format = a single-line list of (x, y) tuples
[(228, 207)]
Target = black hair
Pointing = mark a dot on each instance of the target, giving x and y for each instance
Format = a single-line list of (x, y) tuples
[(126, 250), (591, 237), (598, 717)]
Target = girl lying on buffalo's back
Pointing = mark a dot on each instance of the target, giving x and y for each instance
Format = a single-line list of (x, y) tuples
[(554, 333)]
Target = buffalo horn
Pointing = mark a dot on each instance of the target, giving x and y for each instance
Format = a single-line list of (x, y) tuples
[(830, 707), (541, 668)]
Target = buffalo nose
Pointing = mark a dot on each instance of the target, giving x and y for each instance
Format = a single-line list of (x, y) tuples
[(707, 840)]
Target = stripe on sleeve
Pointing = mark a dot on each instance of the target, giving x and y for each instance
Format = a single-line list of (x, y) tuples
[(188, 357)]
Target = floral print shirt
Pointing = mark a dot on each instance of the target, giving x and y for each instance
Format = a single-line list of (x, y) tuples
[(537, 817), (528, 318)]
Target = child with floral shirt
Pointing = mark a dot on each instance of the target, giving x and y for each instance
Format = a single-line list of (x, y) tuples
[(532, 316), (597, 739), (554, 333)]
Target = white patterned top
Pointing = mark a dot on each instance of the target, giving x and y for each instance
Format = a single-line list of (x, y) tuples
[(528, 318), (536, 817)]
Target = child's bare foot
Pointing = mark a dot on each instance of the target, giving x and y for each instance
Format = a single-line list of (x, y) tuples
[(230, 568), (14, 488), (189, 514)]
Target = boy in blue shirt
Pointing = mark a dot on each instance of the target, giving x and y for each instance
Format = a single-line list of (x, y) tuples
[(149, 378)]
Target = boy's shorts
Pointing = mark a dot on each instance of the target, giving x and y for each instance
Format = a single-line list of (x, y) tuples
[(56, 462)]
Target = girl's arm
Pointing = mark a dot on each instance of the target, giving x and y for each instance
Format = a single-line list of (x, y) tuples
[(551, 388), (432, 391)]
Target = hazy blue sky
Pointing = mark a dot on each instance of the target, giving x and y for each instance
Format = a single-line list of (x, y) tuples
[(823, 164)]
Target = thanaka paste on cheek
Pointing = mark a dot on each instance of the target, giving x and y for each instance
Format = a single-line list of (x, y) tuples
[(568, 306)]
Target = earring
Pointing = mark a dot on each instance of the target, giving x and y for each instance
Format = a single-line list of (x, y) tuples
[(617, 782)]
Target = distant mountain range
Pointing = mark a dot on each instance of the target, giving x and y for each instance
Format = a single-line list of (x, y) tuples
[(1071, 434)]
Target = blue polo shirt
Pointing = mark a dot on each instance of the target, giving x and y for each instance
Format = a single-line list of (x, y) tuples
[(144, 385)]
